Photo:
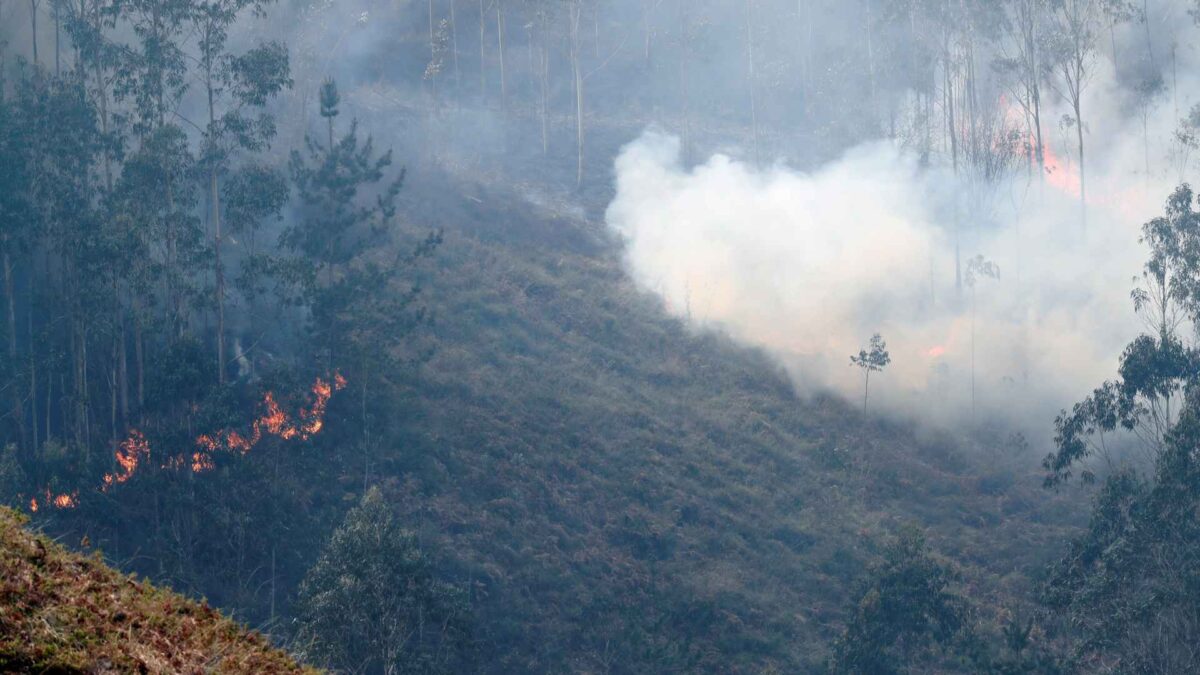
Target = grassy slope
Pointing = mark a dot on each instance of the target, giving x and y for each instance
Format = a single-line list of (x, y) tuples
[(65, 613), (626, 494)]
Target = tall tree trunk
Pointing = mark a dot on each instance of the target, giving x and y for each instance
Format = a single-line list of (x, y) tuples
[(214, 202), (18, 409), (482, 54), (543, 79), (33, 390), (646, 30), (684, 54), (33, 36), (577, 72), (139, 356), (1082, 182), (866, 390), (871, 60), (454, 43), (752, 77), (500, 50), (57, 41)]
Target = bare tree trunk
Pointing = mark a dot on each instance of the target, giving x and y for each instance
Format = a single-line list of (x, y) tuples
[(139, 355), (684, 54), (33, 37), (214, 202), (1082, 182), (871, 59), (543, 78), (482, 54), (866, 390), (18, 410), (33, 390), (454, 43), (752, 78), (646, 29), (500, 48), (57, 44), (577, 72)]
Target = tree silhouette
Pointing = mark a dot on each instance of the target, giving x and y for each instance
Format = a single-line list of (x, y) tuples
[(875, 358)]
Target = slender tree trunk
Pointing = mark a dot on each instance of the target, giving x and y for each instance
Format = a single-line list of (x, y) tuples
[(866, 390), (214, 201), (972, 354), (139, 355), (33, 389), (33, 36), (1082, 181), (482, 54), (57, 42), (752, 78), (500, 50), (18, 409), (871, 60), (123, 371), (577, 72), (543, 78), (646, 30), (454, 44), (684, 55)]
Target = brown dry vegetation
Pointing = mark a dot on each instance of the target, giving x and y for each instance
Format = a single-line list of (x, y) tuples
[(62, 612)]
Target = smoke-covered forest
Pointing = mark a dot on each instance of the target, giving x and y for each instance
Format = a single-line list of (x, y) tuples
[(611, 336)]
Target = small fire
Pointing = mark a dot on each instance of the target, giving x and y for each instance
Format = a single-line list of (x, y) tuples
[(202, 462), (128, 455), (1064, 178), (59, 501), (135, 450), (935, 351)]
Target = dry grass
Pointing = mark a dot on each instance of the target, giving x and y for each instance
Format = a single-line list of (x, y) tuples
[(62, 612)]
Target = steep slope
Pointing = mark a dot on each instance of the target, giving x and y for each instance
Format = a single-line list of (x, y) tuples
[(624, 494), (65, 613)]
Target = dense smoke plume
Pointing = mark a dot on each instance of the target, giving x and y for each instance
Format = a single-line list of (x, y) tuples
[(808, 264)]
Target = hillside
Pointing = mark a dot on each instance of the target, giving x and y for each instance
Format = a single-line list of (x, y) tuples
[(625, 493), (63, 612)]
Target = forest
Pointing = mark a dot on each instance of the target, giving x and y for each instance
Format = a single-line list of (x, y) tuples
[(615, 336)]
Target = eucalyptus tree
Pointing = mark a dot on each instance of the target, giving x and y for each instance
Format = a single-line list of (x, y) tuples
[(1126, 585), (872, 359), (978, 269), (1071, 50), (372, 602), (237, 88), (1021, 62)]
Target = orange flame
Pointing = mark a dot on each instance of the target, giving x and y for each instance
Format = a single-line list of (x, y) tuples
[(275, 422), (935, 351), (59, 501), (128, 455)]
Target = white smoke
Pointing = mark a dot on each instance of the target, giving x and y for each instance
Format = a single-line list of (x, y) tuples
[(810, 264)]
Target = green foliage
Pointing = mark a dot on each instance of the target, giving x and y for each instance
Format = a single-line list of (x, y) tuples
[(372, 603), (1129, 584), (905, 610)]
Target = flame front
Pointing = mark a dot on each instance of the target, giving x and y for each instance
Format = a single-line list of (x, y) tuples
[(134, 451), (275, 422)]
